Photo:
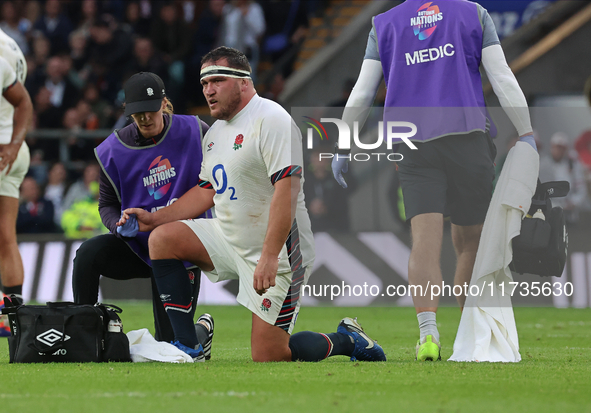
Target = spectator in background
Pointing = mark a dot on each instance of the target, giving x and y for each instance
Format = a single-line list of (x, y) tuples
[(89, 12), (191, 10), (81, 188), (135, 22), (560, 166), (88, 119), (36, 64), (243, 27), (74, 121), (583, 148), (115, 8), (55, 190), (172, 36), (109, 47), (207, 35), (275, 87), (100, 107), (78, 52), (54, 25), (63, 93), (206, 38), (287, 23), (327, 202), (107, 83), (41, 49), (35, 214), (71, 74), (48, 116), (31, 15), (37, 167), (145, 59), (11, 26), (82, 220)]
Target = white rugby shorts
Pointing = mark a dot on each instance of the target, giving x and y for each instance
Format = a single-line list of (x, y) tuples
[(279, 306), (11, 182)]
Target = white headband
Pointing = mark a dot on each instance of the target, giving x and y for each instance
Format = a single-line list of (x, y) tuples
[(224, 71)]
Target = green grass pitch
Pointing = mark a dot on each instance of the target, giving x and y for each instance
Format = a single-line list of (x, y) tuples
[(555, 374)]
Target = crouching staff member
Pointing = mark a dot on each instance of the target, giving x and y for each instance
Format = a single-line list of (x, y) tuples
[(151, 163)]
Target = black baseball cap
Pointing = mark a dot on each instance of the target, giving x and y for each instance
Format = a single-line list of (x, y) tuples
[(144, 92)]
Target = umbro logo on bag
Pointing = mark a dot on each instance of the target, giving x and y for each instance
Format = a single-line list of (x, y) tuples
[(52, 336)]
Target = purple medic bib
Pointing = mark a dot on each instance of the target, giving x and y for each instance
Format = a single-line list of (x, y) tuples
[(431, 53), (152, 177)]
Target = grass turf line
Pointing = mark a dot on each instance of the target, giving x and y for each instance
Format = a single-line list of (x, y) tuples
[(555, 373)]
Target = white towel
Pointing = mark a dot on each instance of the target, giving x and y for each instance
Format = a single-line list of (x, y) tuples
[(143, 348), (487, 330)]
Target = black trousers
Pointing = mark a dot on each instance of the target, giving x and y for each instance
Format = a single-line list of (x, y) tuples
[(109, 256)]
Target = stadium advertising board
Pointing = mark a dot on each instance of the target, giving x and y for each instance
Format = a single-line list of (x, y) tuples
[(367, 268)]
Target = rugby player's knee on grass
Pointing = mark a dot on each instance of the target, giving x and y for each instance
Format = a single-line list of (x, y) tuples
[(271, 347), (268, 342), (267, 354)]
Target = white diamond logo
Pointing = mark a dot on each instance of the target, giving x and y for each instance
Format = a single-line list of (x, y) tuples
[(50, 337)]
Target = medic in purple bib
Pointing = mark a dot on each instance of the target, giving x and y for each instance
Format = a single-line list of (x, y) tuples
[(429, 53), (148, 164)]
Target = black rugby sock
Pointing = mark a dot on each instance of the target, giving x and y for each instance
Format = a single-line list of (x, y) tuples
[(202, 333), (310, 346), (175, 290), (16, 290)]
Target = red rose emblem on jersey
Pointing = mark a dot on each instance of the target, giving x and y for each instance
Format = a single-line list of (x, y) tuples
[(238, 142), (266, 304)]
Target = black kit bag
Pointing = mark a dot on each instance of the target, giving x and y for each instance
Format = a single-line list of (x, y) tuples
[(65, 332), (542, 245)]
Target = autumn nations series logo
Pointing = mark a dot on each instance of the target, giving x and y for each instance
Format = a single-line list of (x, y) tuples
[(426, 21), (158, 180)]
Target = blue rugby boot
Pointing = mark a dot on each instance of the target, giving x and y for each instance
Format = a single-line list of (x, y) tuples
[(196, 354), (366, 349)]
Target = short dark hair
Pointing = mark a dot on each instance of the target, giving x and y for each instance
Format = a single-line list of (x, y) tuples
[(236, 59)]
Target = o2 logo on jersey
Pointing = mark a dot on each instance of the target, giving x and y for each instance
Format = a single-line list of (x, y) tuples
[(160, 172), (220, 185), (425, 23)]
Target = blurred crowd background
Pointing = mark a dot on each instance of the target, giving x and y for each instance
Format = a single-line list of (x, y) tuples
[(80, 52)]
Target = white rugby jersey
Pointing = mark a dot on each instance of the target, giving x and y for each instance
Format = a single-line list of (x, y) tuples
[(241, 160), (13, 56)]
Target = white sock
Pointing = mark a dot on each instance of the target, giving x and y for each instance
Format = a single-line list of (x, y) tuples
[(428, 325)]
